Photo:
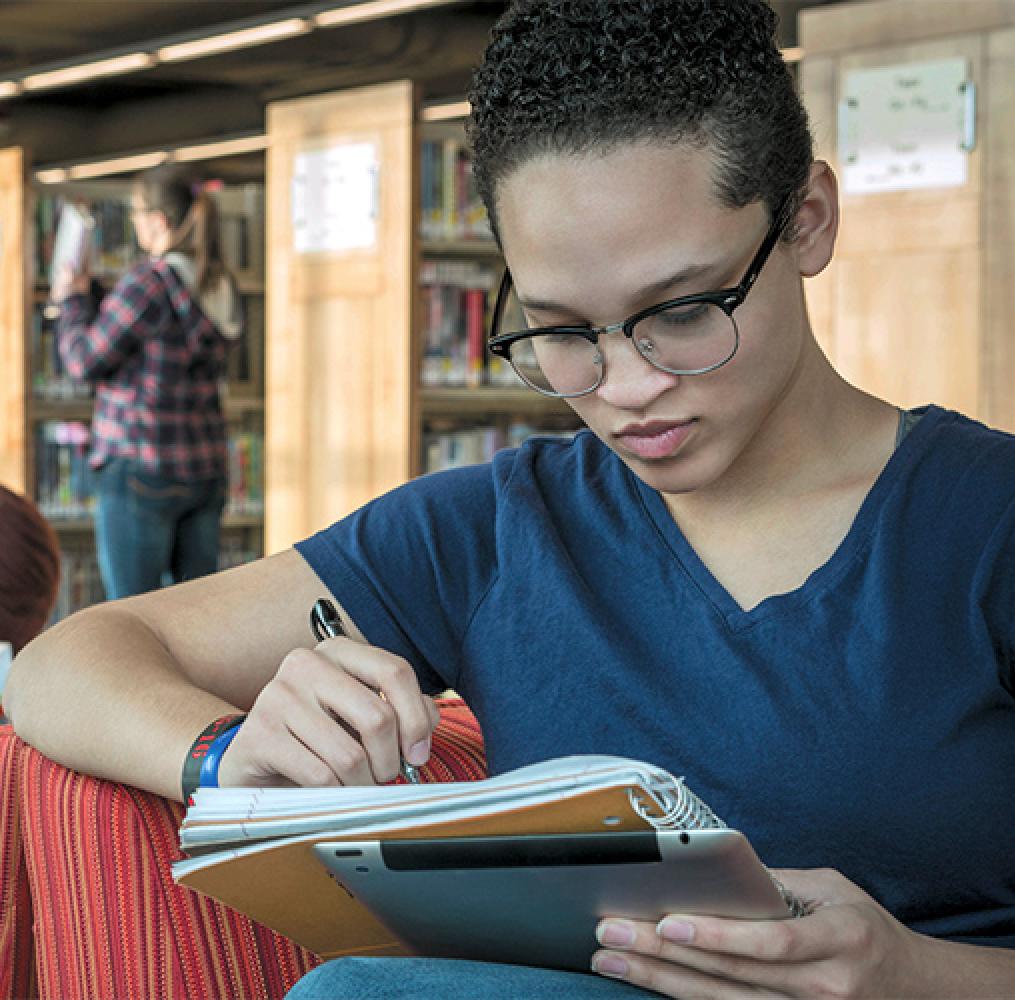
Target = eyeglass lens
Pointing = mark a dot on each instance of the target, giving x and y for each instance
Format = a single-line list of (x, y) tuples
[(688, 338)]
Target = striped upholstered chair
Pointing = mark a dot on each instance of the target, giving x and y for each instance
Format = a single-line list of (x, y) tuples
[(87, 862)]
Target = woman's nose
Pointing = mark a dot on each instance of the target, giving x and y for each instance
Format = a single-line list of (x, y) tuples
[(629, 381)]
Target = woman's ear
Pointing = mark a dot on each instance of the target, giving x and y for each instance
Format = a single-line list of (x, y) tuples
[(817, 221)]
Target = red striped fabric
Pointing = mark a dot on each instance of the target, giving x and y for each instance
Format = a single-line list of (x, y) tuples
[(17, 966), (110, 922)]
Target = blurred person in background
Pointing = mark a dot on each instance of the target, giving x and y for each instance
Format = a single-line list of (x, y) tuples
[(154, 348)]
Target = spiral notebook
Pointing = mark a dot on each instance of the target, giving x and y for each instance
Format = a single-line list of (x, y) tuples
[(254, 849)]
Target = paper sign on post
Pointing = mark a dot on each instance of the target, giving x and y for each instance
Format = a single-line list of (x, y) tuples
[(335, 198)]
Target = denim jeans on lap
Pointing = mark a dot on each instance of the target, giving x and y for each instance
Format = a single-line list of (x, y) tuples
[(447, 979), (150, 529)]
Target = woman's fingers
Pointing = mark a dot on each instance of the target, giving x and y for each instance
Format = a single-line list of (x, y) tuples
[(344, 713)]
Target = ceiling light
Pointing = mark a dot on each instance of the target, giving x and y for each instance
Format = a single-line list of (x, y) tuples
[(10, 88), (224, 147), (244, 38), (55, 176), (372, 9), (88, 71), (446, 112), (119, 165)]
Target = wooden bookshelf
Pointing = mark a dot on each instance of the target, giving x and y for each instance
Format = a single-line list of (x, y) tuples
[(29, 400), (347, 409)]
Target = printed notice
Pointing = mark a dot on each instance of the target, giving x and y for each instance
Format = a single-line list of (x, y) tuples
[(335, 198), (907, 126)]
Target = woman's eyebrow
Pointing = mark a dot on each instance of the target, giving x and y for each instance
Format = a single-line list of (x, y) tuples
[(653, 288)]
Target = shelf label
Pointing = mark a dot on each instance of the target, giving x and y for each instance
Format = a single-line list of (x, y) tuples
[(335, 198)]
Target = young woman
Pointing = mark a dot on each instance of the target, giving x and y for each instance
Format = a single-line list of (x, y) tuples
[(746, 571), (155, 354)]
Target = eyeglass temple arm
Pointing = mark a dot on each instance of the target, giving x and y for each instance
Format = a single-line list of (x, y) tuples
[(782, 216)]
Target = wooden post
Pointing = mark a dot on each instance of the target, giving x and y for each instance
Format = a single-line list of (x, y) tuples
[(14, 270), (340, 367)]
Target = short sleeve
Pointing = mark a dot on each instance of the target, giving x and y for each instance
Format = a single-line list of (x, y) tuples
[(411, 567)]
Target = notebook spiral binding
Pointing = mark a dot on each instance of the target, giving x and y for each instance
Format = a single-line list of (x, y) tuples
[(674, 806)]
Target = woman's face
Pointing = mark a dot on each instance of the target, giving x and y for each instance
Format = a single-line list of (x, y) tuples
[(593, 238), (150, 226)]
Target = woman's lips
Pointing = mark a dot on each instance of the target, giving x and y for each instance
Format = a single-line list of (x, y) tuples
[(655, 441)]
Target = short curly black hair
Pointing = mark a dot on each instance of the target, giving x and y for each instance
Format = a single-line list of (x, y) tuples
[(571, 76)]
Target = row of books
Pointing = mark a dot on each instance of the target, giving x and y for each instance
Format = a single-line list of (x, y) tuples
[(457, 299), (65, 485), (451, 208), (453, 448), (81, 586), (80, 583), (246, 473), (50, 381)]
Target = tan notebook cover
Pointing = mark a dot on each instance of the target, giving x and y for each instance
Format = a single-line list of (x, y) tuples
[(286, 888)]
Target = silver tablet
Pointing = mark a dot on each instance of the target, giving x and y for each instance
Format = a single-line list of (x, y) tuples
[(536, 900)]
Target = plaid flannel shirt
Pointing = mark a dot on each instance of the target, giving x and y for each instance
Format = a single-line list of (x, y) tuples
[(155, 360)]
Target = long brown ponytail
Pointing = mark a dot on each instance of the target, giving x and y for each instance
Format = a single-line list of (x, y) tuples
[(192, 216)]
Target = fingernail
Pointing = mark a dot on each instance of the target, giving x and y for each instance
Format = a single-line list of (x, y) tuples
[(614, 933), (609, 964), (678, 931), (419, 753)]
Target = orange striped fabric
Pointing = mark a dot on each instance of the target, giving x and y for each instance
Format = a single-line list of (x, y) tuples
[(110, 922), (17, 960)]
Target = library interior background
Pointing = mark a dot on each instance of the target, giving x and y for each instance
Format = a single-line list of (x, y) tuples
[(272, 102)]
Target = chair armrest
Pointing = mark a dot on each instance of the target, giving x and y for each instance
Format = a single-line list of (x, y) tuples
[(17, 954), (110, 921)]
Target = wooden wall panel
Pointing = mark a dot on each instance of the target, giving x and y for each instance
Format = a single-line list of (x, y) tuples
[(14, 246), (905, 314), (997, 370), (818, 88), (864, 24), (340, 383), (907, 326)]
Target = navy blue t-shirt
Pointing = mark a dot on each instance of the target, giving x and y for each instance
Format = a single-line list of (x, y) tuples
[(864, 722)]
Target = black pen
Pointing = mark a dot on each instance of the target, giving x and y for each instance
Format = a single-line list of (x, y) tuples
[(326, 624)]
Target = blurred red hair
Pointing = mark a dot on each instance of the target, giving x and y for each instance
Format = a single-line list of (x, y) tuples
[(29, 569)]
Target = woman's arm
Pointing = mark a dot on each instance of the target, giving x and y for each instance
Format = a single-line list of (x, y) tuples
[(122, 690), (93, 346)]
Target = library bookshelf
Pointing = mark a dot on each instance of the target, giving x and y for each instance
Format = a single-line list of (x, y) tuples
[(376, 368), (47, 423), (372, 366)]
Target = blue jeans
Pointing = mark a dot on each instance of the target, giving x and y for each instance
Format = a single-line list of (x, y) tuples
[(448, 979), (151, 530)]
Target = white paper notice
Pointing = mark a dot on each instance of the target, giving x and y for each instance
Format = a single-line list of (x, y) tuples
[(905, 127), (335, 199)]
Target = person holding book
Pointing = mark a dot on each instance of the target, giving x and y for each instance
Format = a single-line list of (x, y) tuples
[(745, 571), (154, 348)]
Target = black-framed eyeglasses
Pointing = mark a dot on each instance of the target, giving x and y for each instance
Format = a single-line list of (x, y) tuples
[(689, 335)]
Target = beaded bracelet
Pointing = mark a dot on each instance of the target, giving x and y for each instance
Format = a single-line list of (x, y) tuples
[(205, 744)]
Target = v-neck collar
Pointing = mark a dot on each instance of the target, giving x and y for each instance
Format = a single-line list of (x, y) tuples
[(852, 547)]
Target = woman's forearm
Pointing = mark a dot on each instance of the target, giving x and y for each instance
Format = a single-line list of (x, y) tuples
[(966, 970), (101, 694)]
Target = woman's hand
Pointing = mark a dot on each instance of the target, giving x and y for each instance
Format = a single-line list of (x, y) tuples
[(341, 714), (848, 946), (69, 282)]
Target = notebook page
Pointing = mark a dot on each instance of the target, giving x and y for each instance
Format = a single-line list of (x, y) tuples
[(228, 815)]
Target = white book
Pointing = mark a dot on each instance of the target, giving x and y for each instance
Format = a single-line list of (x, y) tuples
[(73, 241)]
